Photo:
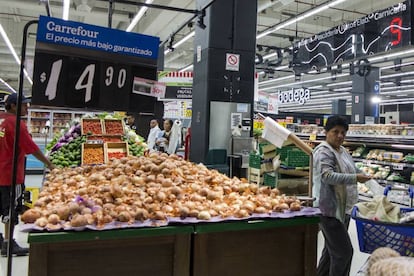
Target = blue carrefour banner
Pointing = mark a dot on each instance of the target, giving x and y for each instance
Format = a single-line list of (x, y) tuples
[(75, 34)]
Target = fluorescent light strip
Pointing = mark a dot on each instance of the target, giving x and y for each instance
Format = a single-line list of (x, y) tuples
[(397, 65), (138, 16), (8, 85), (66, 6), (300, 17), (13, 51), (186, 68), (411, 51), (181, 41), (338, 83), (343, 89), (397, 75), (313, 80), (398, 87), (315, 87)]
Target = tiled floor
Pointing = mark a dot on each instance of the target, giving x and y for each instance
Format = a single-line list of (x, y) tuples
[(20, 264)]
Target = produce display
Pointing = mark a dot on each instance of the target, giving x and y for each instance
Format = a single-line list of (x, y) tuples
[(157, 187), (93, 154), (114, 127), (374, 170), (105, 138), (68, 154), (117, 154), (91, 126), (65, 149)]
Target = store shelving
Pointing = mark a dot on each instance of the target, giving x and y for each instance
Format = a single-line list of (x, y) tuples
[(399, 143)]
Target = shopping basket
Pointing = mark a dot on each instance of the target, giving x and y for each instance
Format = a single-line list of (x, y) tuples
[(374, 234)]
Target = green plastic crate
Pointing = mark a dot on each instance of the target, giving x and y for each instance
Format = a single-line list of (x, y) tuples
[(255, 161), (297, 158), (270, 179)]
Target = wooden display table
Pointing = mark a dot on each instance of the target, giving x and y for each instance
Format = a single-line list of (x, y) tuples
[(284, 246), (267, 247), (144, 251)]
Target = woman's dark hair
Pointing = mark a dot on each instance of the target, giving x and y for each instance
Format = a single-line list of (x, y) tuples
[(170, 122), (334, 121)]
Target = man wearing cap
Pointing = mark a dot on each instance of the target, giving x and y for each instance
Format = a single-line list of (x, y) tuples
[(26, 146)]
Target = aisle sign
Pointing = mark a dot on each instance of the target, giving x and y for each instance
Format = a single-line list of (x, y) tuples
[(81, 65), (376, 32)]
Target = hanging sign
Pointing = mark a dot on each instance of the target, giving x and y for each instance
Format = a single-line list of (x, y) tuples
[(179, 85), (148, 87), (295, 95), (273, 104), (377, 32), (80, 65)]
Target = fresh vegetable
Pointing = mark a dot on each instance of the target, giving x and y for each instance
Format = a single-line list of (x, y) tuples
[(93, 155), (61, 139), (91, 126), (114, 127), (117, 154), (159, 186), (66, 155)]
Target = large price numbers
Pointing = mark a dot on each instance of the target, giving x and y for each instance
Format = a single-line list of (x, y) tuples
[(85, 81), (122, 76), (395, 29)]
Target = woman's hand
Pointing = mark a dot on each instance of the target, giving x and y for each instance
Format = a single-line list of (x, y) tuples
[(362, 177)]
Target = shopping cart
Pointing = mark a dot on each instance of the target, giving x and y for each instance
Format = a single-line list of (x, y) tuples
[(374, 234)]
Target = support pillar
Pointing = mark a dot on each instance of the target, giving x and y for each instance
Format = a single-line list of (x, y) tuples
[(363, 89), (228, 27)]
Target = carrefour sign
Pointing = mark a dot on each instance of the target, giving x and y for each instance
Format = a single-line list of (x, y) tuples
[(295, 95)]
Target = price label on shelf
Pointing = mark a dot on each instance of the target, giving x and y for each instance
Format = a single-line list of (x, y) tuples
[(312, 137), (398, 167)]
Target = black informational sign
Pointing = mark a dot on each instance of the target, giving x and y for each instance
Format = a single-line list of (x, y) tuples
[(179, 92), (375, 33), (84, 66)]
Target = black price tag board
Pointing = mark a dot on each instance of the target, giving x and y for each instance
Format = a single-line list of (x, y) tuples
[(85, 66), (115, 86), (378, 32)]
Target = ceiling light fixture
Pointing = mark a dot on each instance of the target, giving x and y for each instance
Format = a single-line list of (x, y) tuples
[(396, 54), (13, 51), (339, 83), (66, 6), (397, 75), (186, 68), (300, 17), (138, 16), (181, 41), (8, 85), (375, 99)]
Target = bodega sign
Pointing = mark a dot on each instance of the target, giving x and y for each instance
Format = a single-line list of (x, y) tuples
[(296, 95)]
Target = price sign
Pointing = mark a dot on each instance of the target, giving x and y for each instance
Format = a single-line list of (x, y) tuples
[(258, 124), (398, 167), (312, 137), (80, 65)]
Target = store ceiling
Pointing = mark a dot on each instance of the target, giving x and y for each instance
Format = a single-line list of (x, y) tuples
[(163, 23)]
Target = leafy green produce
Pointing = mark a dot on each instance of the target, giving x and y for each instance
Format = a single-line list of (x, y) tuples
[(68, 154)]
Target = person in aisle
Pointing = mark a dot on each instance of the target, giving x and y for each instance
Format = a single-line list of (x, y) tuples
[(153, 134), (130, 121), (335, 178), (168, 139), (26, 146)]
